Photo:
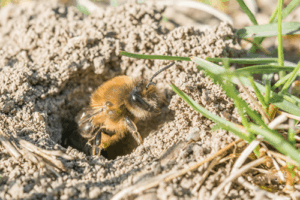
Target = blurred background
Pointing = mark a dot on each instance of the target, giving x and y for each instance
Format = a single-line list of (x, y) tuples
[(206, 14)]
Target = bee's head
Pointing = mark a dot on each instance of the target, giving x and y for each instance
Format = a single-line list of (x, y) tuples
[(144, 102), (144, 99)]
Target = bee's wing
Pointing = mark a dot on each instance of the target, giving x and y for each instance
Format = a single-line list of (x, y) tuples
[(84, 121), (88, 114)]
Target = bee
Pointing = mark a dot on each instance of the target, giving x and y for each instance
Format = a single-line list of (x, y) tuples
[(115, 108)]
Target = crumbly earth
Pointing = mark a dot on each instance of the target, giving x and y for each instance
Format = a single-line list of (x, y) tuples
[(53, 57)]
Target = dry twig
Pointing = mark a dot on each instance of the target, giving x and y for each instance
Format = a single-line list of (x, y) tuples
[(9, 147), (237, 174), (256, 189), (272, 125), (155, 181), (280, 174), (281, 156), (289, 115), (243, 158), (45, 158), (205, 174), (277, 121), (196, 166)]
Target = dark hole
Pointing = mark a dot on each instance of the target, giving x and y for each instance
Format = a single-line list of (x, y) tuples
[(71, 137)]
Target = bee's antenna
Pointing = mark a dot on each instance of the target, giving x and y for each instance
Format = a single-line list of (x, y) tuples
[(150, 81)]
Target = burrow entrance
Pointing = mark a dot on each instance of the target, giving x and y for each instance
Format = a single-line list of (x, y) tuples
[(71, 136), (77, 93)]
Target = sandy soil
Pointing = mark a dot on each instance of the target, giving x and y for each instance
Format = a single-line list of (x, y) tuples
[(53, 57)]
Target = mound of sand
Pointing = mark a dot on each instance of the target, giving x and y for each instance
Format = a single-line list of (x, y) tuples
[(53, 57)]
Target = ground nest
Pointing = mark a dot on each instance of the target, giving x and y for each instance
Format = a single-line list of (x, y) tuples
[(53, 57)]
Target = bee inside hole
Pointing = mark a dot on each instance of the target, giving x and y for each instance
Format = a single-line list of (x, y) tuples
[(110, 125)]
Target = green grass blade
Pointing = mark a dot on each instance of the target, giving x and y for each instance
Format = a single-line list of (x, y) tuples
[(288, 9), (292, 133), (292, 78), (296, 99), (285, 12), (292, 99), (259, 56), (277, 141), (264, 69), (279, 37), (277, 99), (268, 30), (247, 11), (232, 93), (267, 79), (158, 57), (259, 40), (226, 125), (82, 9), (253, 114), (226, 63), (274, 14), (258, 93), (242, 114), (255, 43), (245, 60), (252, 19), (282, 81), (242, 106)]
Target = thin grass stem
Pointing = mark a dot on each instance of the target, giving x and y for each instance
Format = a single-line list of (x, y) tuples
[(158, 57), (267, 78), (245, 60), (258, 94), (291, 78), (247, 11), (280, 46)]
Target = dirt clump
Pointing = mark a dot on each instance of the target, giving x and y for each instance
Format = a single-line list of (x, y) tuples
[(53, 57)]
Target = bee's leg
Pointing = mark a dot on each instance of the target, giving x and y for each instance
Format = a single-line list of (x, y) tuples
[(106, 140), (96, 150), (133, 130), (93, 142), (101, 141)]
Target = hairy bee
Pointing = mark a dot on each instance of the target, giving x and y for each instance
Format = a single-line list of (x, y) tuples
[(115, 107)]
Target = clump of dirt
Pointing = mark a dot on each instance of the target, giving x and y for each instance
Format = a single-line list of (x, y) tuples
[(53, 57)]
